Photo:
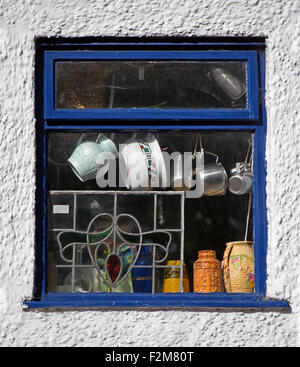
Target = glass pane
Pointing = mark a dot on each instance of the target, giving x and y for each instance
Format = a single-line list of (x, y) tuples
[(90, 206), (140, 207), (56, 255), (60, 208), (168, 208), (124, 239), (150, 84)]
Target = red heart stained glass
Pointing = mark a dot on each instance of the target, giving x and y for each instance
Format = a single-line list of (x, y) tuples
[(113, 266)]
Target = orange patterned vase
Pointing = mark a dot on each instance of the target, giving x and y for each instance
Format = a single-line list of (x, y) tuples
[(207, 273), (171, 283), (238, 267)]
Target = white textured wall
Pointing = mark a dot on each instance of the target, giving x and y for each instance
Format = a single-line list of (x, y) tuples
[(20, 22)]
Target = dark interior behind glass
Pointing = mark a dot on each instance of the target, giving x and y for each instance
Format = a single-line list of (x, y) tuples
[(150, 84), (210, 221)]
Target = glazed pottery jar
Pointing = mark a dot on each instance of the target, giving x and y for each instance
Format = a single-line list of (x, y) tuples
[(238, 267), (171, 282), (207, 272)]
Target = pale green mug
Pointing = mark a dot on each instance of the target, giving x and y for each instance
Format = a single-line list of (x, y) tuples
[(83, 160)]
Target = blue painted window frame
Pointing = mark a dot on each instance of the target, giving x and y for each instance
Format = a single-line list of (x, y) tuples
[(253, 119), (249, 113)]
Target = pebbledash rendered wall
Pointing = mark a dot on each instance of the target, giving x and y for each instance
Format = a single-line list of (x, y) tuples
[(23, 20)]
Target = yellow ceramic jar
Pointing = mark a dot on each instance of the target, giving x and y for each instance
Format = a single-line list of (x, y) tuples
[(171, 283)]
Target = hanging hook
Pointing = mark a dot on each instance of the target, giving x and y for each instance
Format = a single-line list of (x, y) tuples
[(248, 216), (98, 137), (248, 151), (196, 144)]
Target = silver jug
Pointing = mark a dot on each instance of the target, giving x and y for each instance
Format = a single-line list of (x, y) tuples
[(181, 179), (214, 176), (241, 180)]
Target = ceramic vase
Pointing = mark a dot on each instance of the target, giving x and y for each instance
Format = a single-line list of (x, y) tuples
[(207, 273), (238, 267)]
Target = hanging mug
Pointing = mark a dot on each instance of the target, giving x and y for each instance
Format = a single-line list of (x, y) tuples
[(83, 160), (142, 165), (241, 180)]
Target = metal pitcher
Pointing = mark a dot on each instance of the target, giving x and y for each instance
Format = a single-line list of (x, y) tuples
[(214, 177), (241, 180), (179, 180)]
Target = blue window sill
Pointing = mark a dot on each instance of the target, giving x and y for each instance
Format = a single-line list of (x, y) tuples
[(159, 301)]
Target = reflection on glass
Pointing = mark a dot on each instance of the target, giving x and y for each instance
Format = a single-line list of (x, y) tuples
[(150, 84), (91, 232)]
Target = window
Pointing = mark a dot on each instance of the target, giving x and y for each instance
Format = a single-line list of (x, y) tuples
[(148, 155)]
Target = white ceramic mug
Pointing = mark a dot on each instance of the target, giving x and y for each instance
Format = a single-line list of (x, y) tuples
[(141, 163)]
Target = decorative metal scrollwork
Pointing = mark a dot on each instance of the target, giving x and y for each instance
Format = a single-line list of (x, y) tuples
[(114, 244)]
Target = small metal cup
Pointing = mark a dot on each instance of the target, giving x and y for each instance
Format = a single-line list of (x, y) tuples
[(241, 180)]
